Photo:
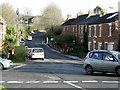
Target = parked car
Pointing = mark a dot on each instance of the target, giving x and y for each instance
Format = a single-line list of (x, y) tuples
[(22, 43), (5, 63), (29, 38), (102, 61), (37, 53)]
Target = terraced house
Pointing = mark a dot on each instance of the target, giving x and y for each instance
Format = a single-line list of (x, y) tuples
[(102, 31), (2, 31)]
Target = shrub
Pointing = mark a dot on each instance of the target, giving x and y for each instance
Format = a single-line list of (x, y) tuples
[(19, 55)]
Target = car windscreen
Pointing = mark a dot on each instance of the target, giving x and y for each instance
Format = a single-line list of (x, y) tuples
[(117, 55), (37, 50)]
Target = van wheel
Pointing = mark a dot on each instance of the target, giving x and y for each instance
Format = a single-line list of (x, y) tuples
[(42, 58), (89, 70), (118, 71), (1, 66)]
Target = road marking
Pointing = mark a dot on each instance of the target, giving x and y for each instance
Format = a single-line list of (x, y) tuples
[(69, 82), (110, 82), (18, 66), (89, 81), (2, 81), (50, 81), (15, 82), (32, 82)]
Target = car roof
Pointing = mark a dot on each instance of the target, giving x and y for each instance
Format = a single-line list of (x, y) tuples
[(103, 51)]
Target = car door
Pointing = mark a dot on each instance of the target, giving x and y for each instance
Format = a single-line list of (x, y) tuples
[(109, 62), (96, 61)]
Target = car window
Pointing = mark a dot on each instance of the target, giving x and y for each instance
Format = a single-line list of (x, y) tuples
[(97, 55), (90, 55), (107, 56), (37, 50)]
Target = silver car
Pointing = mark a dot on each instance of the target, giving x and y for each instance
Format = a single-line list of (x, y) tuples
[(102, 61)]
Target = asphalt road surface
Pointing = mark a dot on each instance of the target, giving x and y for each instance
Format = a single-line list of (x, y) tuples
[(56, 71)]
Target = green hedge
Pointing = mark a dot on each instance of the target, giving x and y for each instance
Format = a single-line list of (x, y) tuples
[(20, 54)]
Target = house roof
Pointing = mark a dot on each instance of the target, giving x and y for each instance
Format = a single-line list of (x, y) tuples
[(75, 21), (111, 17), (68, 22), (79, 19), (90, 19)]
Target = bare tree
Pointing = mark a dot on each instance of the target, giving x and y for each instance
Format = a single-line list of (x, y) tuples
[(51, 16), (8, 13), (27, 11)]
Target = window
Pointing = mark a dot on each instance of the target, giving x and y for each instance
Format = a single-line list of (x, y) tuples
[(99, 45), (110, 45), (110, 26), (100, 30), (107, 56), (89, 45), (89, 31), (95, 31), (97, 55), (73, 28)]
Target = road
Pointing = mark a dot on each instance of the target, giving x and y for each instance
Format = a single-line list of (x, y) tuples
[(56, 71)]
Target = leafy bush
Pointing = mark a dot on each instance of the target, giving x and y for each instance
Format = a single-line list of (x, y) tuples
[(19, 55)]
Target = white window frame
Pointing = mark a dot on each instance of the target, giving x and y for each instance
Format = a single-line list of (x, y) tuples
[(95, 31), (110, 46), (89, 46), (100, 30), (73, 29), (81, 30), (89, 35), (94, 45), (110, 31), (99, 45)]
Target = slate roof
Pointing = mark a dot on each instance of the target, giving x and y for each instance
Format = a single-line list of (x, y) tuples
[(111, 17), (80, 19), (75, 21), (69, 22), (90, 19), (96, 19)]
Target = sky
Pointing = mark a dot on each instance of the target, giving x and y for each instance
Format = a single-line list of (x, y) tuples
[(67, 6)]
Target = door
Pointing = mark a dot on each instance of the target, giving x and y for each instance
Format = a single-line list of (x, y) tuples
[(109, 63), (96, 61)]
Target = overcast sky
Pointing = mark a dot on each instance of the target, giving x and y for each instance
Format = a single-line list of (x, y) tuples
[(66, 6)]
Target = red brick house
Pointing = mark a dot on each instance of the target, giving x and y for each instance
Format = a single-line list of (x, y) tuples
[(103, 33), (72, 26), (2, 31)]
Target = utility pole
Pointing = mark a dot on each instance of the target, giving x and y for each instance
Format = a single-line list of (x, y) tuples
[(17, 28)]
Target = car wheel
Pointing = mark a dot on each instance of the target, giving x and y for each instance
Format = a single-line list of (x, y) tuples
[(89, 69), (1, 66), (118, 71), (42, 58)]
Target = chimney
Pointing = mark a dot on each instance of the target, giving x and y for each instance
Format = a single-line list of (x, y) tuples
[(79, 13), (90, 13), (69, 16)]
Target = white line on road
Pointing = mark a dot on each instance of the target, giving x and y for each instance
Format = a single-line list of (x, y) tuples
[(110, 82), (2, 81), (68, 82), (89, 81), (71, 81), (19, 66), (50, 81), (32, 82), (15, 82)]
